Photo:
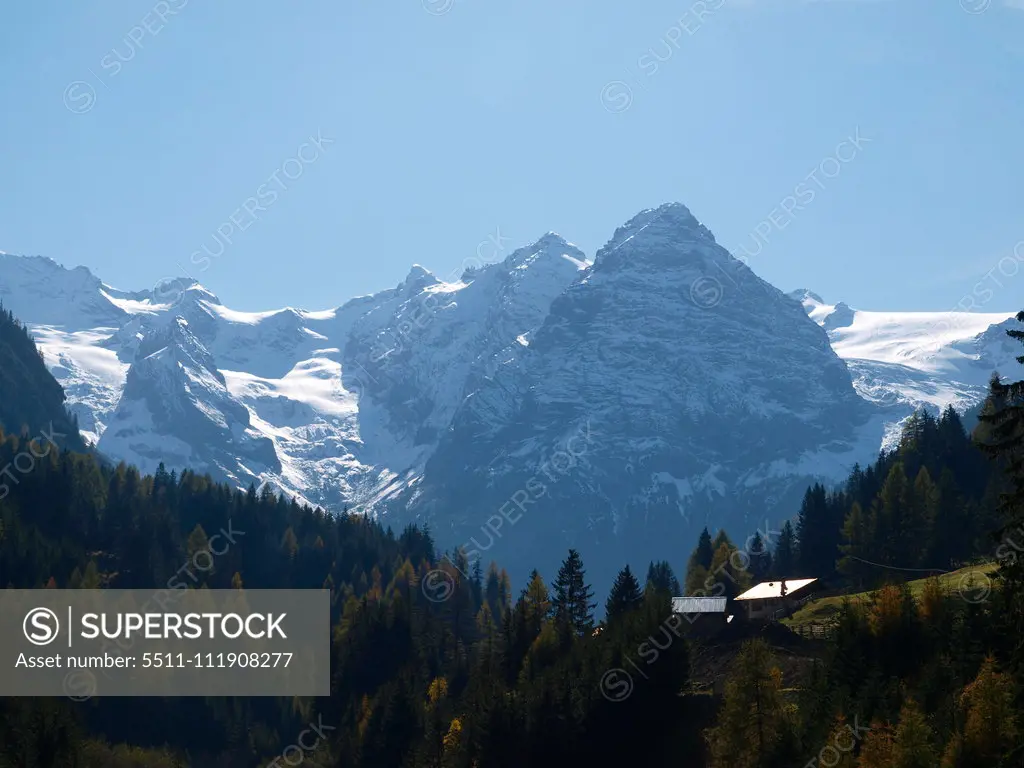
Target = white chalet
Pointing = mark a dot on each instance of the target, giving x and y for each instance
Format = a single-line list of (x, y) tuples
[(770, 599)]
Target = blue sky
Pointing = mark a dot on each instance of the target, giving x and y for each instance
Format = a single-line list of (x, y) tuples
[(136, 129)]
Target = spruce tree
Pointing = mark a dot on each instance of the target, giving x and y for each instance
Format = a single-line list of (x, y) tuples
[(784, 564), (660, 578), (704, 551), (699, 564), (625, 596), (571, 604), (760, 559)]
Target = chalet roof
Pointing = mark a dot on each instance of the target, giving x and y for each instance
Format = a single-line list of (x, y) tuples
[(698, 605), (770, 589)]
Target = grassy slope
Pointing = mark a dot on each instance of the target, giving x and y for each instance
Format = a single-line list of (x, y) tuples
[(972, 581)]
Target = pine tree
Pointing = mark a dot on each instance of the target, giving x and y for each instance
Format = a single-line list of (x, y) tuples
[(990, 730), (784, 565), (536, 603), (571, 603), (754, 719), (200, 559), (699, 565), (660, 578), (760, 559), (720, 538), (913, 744), (878, 750), (816, 533), (924, 507), (625, 596), (890, 529), (91, 578), (838, 751), (703, 552)]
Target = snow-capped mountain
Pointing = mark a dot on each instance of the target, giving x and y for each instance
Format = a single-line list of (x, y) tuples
[(910, 360), (537, 403), (667, 389)]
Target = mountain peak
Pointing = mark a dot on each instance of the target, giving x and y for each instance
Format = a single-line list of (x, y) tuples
[(417, 272), (418, 279), (196, 292), (804, 294), (550, 248), (549, 239), (669, 223)]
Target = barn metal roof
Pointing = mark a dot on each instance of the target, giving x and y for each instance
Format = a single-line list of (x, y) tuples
[(698, 605), (769, 589)]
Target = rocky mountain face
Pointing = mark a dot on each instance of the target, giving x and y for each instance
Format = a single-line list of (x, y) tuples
[(538, 403), (667, 389)]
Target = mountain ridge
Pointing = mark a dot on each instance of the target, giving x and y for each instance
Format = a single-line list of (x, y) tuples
[(387, 401)]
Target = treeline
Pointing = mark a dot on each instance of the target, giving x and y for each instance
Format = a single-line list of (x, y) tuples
[(929, 504), (433, 663), (31, 400)]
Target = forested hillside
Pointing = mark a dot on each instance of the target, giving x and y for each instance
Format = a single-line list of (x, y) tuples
[(31, 400), (436, 664)]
